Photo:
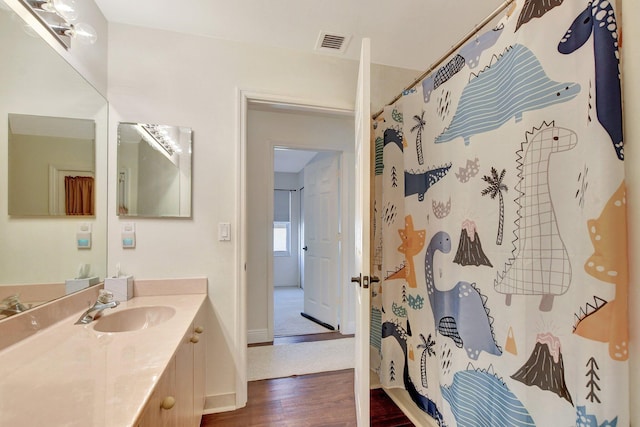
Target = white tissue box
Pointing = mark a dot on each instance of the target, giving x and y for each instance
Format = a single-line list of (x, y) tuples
[(121, 287), (74, 285)]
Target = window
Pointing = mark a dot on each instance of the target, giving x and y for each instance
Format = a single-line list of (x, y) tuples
[(281, 223), (281, 238)]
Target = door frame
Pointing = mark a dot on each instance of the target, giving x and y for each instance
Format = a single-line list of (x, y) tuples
[(240, 333)]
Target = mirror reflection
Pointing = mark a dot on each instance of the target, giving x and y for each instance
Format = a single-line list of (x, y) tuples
[(43, 101), (51, 166), (154, 170)]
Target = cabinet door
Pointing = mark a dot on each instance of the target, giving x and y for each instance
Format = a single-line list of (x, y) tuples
[(199, 365), (184, 381), (159, 411)]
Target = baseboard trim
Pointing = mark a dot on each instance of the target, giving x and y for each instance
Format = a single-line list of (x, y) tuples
[(219, 403), (402, 399), (257, 335)]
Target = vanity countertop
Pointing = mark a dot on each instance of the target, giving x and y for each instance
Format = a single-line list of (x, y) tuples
[(72, 375)]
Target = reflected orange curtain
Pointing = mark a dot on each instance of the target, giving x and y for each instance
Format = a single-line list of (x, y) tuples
[(78, 191)]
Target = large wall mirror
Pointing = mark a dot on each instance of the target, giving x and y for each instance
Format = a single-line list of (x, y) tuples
[(53, 124), (154, 170)]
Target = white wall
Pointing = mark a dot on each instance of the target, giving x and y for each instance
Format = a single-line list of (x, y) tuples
[(630, 70), (163, 77)]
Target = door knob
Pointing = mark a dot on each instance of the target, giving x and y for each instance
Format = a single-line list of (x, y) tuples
[(356, 279), (374, 279), (168, 402), (305, 248)]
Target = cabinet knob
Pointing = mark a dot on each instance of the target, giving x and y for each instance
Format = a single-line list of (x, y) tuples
[(194, 339), (168, 402), (198, 329)]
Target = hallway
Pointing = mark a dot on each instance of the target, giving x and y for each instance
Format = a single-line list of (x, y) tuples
[(288, 303)]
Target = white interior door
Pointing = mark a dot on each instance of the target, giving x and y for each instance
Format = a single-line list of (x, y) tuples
[(322, 239), (362, 236)]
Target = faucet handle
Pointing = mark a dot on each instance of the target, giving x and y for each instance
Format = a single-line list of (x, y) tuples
[(105, 296)]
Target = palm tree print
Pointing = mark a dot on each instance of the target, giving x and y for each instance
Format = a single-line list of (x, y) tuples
[(427, 346), (495, 188), (419, 127)]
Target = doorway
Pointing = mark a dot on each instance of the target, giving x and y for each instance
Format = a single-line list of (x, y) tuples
[(271, 126), (310, 238)]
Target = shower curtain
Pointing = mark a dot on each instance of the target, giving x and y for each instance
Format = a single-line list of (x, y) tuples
[(500, 227)]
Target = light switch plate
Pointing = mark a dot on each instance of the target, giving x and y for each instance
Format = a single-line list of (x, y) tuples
[(128, 235), (224, 231)]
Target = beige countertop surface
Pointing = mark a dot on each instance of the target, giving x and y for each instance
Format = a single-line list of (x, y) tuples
[(72, 375)]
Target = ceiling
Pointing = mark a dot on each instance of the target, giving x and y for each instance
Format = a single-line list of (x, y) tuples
[(55, 127), (407, 33), (292, 161)]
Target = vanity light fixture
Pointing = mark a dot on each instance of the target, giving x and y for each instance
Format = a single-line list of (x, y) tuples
[(59, 17)]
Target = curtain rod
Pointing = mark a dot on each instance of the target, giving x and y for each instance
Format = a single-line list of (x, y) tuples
[(285, 189), (455, 47)]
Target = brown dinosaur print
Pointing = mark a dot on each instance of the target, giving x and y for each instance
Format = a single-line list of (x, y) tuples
[(609, 322), (412, 244)]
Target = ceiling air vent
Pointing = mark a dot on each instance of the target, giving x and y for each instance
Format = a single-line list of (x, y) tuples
[(332, 42)]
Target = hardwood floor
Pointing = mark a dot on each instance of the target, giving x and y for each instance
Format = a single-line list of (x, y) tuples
[(325, 399)]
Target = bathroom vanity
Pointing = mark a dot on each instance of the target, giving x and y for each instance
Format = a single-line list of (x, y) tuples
[(139, 364)]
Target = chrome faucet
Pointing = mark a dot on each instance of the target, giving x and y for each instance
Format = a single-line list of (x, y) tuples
[(105, 300), (11, 305)]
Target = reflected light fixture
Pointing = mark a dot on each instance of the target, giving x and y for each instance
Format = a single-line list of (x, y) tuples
[(59, 17), (158, 137)]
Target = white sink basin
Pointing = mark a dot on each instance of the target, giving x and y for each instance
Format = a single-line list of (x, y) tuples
[(134, 319)]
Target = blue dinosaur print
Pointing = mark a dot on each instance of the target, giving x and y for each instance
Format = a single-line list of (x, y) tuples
[(512, 85), (472, 50), (589, 420), (479, 398), (425, 404), (599, 19), (469, 55), (459, 313), (393, 136), (419, 182)]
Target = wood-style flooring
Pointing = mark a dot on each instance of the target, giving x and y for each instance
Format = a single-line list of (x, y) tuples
[(318, 400)]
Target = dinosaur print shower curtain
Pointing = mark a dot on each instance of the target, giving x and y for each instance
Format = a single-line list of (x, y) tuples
[(500, 227)]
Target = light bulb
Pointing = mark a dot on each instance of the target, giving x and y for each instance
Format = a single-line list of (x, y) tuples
[(82, 32), (66, 9)]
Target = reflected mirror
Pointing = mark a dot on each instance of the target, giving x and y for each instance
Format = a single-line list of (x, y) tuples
[(43, 102), (154, 170), (51, 166)]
